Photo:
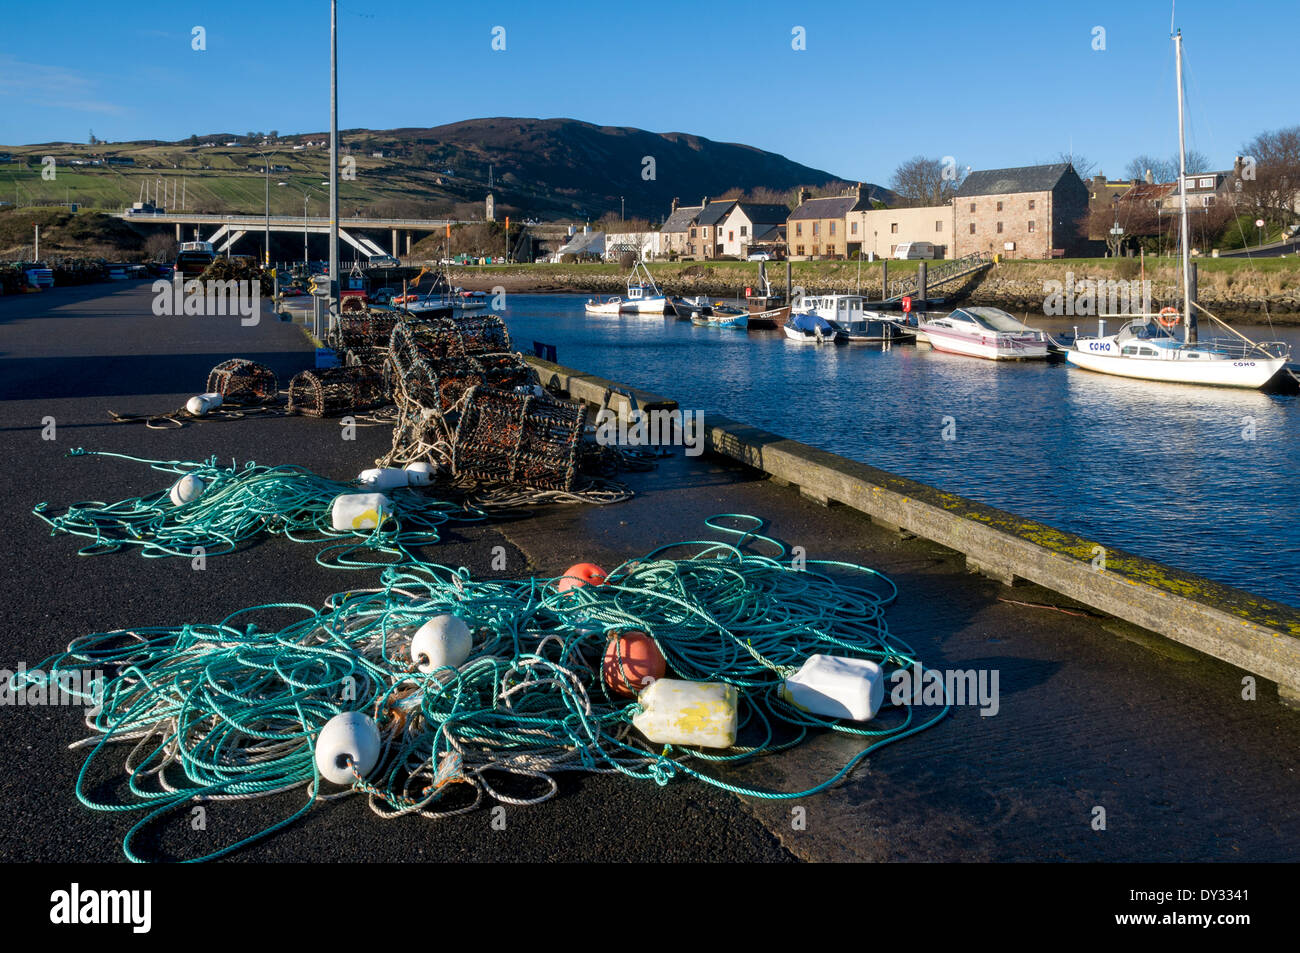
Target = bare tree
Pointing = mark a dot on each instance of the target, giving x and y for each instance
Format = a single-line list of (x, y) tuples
[(160, 247), (1165, 170), (1271, 182), (1135, 219), (923, 181), (1084, 166)]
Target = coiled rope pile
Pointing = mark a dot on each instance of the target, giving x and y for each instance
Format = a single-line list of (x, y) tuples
[(240, 503), (228, 712)]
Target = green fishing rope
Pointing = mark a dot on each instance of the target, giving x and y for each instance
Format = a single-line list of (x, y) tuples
[(226, 711), (241, 503)]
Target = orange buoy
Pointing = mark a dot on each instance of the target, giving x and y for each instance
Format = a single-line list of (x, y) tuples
[(632, 661), (583, 574)]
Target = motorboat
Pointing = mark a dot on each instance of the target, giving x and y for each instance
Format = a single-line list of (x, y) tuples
[(985, 332), (643, 295), (804, 327), (855, 323), (610, 305), (463, 300), (728, 318)]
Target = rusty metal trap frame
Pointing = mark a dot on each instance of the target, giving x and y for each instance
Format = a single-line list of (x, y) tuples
[(521, 438), (245, 383), (326, 392)]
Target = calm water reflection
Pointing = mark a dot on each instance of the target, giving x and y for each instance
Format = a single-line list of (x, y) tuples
[(1158, 469)]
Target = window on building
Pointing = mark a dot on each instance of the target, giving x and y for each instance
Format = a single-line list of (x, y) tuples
[(972, 208), (893, 228), (798, 230), (816, 249), (744, 230), (999, 228), (832, 228), (938, 226), (731, 235), (798, 250), (1031, 203), (853, 228), (972, 228), (1032, 227), (706, 231), (692, 233), (816, 231), (1207, 183), (999, 206)]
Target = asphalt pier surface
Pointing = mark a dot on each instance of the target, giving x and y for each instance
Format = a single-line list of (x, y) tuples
[(1091, 714)]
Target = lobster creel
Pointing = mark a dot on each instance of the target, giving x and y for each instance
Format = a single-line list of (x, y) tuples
[(243, 382), (326, 392), (509, 437)]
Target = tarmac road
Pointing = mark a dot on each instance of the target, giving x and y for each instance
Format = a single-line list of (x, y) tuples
[(1091, 712)]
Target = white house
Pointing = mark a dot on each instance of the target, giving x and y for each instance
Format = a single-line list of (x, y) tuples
[(585, 242), (645, 245), (745, 223)]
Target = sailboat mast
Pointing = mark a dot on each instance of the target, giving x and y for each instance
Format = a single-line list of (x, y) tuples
[(1189, 334)]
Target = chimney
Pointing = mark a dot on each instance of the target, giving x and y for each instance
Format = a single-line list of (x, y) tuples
[(1149, 178), (858, 191), (804, 196), (675, 204), (704, 202), (1236, 166)]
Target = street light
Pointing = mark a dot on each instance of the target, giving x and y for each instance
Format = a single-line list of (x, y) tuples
[(266, 168), (306, 193)]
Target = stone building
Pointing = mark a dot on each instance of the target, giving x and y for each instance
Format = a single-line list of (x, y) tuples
[(1029, 212), (819, 228)]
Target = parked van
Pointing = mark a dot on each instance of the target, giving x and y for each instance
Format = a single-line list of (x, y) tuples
[(914, 250)]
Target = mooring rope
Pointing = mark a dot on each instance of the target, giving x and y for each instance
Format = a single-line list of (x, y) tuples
[(226, 712), (240, 503)]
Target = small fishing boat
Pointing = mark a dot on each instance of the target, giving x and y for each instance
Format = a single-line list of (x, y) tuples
[(609, 305), (643, 295), (690, 307), (989, 333), (807, 328), (463, 300), (855, 323), (733, 318)]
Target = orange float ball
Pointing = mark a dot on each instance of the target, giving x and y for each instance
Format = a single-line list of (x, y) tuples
[(632, 661), (583, 574)]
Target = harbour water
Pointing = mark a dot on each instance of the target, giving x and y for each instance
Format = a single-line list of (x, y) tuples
[(1195, 477)]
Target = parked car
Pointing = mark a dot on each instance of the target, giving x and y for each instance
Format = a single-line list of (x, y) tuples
[(758, 256), (384, 261)]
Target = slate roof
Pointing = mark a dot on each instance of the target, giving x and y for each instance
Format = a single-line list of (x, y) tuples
[(715, 212), (765, 214), (681, 219), (1028, 178), (833, 206)]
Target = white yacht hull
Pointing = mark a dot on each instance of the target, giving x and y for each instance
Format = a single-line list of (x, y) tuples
[(646, 306), (1251, 373)]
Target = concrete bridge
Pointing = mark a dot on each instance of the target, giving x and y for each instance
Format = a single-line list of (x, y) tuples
[(224, 230)]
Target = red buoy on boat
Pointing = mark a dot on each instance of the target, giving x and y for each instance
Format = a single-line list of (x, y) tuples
[(632, 661)]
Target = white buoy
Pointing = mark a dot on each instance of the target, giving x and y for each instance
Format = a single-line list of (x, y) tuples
[(349, 736), (444, 640), (678, 712), (352, 511), (202, 403), (382, 478), (187, 489), (420, 473), (837, 687)]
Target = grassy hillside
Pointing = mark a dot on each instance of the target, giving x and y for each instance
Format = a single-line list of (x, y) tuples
[(544, 169)]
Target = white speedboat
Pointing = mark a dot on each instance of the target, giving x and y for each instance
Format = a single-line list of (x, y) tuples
[(985, 332), (804, 327), (1150, 350), (613, 305)]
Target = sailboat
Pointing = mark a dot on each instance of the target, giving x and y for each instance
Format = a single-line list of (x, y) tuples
[(1154, 351)]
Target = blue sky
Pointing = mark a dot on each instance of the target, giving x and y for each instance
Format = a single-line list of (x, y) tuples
[(992, 84)]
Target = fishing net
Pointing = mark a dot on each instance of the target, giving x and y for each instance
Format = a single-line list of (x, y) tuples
[(362, 338), (243, 382), (330, 391), (201, 712)]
